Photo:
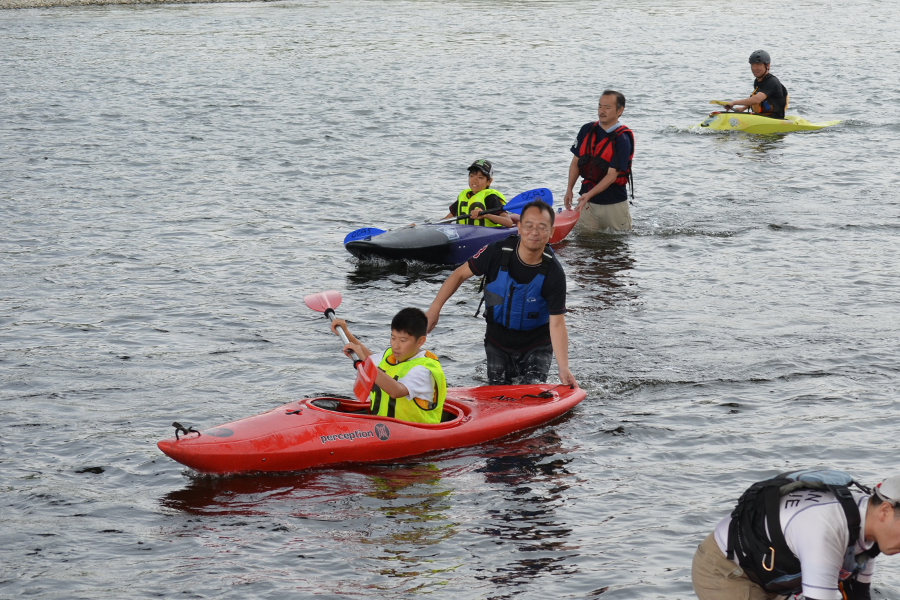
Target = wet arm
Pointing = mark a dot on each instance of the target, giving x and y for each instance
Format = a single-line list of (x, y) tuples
[(559, 339), (390, 386), (500, 219), (746, 102), (604, 183), (573, 178), (447, 290)]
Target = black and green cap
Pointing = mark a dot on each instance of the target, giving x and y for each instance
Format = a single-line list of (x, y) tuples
[(484, 166)]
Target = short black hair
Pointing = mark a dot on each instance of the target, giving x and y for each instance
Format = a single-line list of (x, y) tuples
[(412, 321), (540, 205), (620, 99)]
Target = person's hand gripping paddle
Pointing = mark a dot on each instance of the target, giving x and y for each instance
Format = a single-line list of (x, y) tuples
[(326, 302)]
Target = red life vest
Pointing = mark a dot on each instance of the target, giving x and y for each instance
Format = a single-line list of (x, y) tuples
[(596, 153)]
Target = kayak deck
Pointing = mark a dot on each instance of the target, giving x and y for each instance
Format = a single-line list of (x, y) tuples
[(749, 123), (308, 434), (447, 244)]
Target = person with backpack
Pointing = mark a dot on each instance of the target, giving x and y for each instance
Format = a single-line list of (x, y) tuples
[(769, 97), (603, 151), (802, 532)]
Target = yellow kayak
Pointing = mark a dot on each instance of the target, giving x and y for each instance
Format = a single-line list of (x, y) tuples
[(749, 123)]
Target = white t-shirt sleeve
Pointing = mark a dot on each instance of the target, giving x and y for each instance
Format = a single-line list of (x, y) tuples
[(419, 382), (820, 545)]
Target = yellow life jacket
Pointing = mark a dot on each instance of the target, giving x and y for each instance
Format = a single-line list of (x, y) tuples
[(413, 410), (465, 204)]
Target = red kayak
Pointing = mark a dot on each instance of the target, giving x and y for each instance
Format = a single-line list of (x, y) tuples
[(563, 224), (319, 432)]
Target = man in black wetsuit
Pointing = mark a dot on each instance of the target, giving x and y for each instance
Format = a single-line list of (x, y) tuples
[(769, 98)]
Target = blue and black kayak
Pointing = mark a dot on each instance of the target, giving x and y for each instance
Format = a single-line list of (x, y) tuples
[(441, 244), (449, 243)]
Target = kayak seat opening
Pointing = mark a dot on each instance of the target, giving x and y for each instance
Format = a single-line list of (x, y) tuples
[(342, 405), (351, 406)]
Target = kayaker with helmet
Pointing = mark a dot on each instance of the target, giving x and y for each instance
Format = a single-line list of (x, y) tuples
[(770, 97), (525, 302), (480, 197), (410, 384), (826, 538), (603, 153)]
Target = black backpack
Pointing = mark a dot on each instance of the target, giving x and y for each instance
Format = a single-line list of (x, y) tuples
[(769, 562)]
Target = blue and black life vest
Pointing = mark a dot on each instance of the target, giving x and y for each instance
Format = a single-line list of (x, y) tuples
[(512, 304), (767, 559)]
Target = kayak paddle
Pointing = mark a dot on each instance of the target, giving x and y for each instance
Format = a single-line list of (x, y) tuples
[(514, 206), (518, 202), (719, 102), (461, 217), (326, 302)]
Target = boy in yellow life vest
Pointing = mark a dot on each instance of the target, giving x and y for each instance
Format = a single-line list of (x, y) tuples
[(410, 384), (479, 197)]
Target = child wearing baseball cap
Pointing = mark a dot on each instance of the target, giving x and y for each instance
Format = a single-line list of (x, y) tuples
[(483, 205)]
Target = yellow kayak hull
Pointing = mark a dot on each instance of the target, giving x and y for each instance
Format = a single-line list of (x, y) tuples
[(756, 124)]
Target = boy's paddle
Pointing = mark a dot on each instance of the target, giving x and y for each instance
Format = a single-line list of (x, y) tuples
[(518, 202), (326, 302), (719, 102), (462, 217), (514, 206)]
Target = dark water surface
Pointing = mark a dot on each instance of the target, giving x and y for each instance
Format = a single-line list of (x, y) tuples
[(173, 179)]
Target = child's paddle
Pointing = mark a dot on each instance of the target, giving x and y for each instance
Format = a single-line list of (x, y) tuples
[(513, 206), (326, 302), (518, 202)]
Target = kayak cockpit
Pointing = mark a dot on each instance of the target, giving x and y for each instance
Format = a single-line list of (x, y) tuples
[(361, 409)]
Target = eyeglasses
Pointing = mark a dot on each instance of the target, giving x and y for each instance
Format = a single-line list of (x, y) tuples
[(529, 227)]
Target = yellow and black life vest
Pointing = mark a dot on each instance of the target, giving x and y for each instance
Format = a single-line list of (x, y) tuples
[(465, 204), (414, 410)]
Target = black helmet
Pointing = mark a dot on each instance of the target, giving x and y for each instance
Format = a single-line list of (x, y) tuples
[(760, 56)]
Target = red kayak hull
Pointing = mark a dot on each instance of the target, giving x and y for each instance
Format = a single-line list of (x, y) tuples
[(563, 223), (300, 435)]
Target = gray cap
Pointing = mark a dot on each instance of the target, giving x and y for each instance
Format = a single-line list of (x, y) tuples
[(484, 166), (889, 490)]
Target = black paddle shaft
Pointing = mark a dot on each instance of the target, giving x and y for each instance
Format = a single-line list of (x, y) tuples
[(484, 212)]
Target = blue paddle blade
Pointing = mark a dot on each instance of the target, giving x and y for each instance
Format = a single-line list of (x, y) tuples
[(515, 205), (361, 234)]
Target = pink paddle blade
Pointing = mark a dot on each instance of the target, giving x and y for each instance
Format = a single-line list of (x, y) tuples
[(365, 379), (322, 301)]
